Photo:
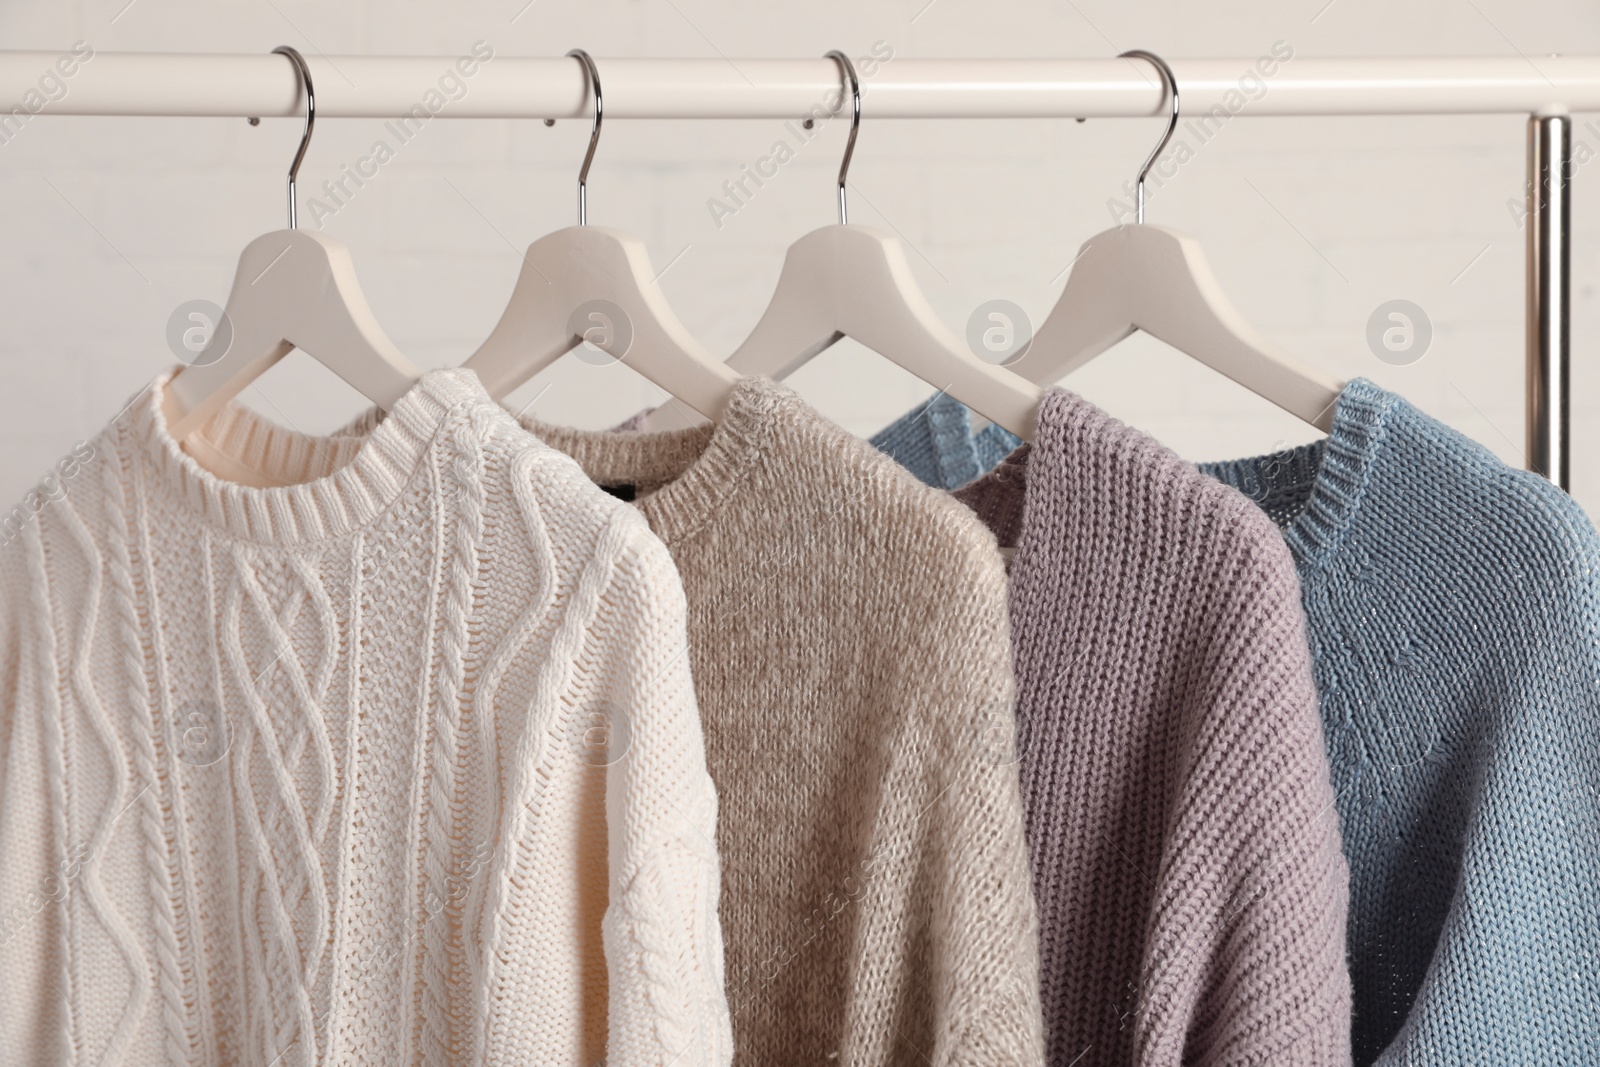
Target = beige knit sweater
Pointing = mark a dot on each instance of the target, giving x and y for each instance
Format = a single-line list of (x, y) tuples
[(849, 639), (399, 764)]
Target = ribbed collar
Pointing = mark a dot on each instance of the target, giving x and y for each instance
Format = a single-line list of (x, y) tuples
[(682, 477), (1327, 478), (939, 431), (1077, 447), (306, 488)]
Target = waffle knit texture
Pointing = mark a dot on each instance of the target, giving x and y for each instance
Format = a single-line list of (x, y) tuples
[(849, 639), (1185, 851), (935, 441), (389, 756), (1454, 607)]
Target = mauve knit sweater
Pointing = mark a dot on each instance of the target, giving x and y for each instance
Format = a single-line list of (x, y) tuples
[(1181, 823)]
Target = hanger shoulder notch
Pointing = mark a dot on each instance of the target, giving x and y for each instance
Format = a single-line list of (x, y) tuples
[(595, 265), (1146, 277), (293, 289)]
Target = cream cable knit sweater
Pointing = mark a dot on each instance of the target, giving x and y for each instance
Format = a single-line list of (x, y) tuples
[(851, 656), (396, 764)]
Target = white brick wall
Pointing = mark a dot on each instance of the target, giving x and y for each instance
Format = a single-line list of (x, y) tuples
[(111, 223)]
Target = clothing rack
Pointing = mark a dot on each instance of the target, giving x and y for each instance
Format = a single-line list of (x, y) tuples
[(1547, 89)]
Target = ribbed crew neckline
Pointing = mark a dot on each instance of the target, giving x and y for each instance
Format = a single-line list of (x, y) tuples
[(684, 477), (955, 444), (335, 483), (936, 442), (1330, 476)]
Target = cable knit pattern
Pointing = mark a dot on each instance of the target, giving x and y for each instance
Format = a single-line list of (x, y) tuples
[(383, 751), (1185, 851), (1454, 607), (849, 638), (935, 441)]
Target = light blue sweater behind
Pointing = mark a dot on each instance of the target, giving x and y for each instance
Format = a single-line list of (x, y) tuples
[(935, 442), (1454, 615)]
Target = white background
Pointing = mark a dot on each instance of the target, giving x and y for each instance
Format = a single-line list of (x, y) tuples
[(110, 224)]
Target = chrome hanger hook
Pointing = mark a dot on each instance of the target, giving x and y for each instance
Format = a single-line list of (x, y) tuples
[(593, 76), (849, 73), (1170, 83), (304, 72)]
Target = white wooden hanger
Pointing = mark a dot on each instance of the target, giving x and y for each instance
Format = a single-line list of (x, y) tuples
[(852, 281), (1141, 277), (293, 289), (584, 265)]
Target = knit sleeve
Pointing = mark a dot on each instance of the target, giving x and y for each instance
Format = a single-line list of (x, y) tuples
[(1513, 977), (1244, 957), (949, 927), (13, 592), (663, 941), (39, 870)]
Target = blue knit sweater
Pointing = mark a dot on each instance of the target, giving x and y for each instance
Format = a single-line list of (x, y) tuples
[(935, 442), (1454, 615)]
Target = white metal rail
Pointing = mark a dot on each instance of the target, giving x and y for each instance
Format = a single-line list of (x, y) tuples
[(1276, 82), (511, 87)]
